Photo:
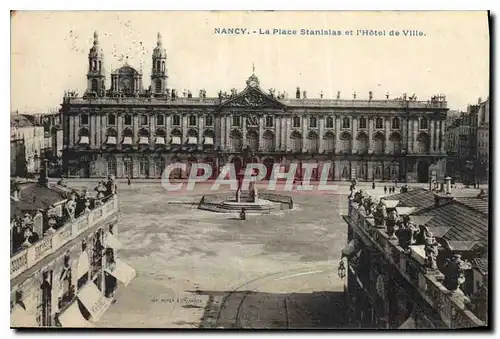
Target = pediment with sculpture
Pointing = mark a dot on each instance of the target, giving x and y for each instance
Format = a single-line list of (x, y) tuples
[(253, 98)]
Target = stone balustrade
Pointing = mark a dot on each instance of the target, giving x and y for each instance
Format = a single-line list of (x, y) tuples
[(451, 305), (30, 256), (341, 103)]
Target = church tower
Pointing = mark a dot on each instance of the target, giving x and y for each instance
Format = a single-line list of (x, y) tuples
[(159, 72), (95, 75)]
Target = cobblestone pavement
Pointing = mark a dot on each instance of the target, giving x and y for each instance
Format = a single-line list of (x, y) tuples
[(202, 269)]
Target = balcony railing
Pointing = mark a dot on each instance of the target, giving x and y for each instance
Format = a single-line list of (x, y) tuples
[(30, 256), (450, 305)]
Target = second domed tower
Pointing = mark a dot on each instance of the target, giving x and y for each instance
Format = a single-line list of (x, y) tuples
[(96, 75), (159, 72)]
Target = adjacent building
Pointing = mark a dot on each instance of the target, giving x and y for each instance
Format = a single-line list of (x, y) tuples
[(467, 140), (127, 129), (65, 266), (33, 139), (417, 260)]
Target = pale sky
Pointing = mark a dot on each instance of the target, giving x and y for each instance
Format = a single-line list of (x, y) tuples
[(49, 53)]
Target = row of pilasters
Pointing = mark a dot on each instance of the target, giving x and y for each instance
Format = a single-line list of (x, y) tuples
[(282, 131)]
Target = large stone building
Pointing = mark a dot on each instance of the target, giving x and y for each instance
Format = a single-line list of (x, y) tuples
[(64, 265), (132, 131), (417, 260)]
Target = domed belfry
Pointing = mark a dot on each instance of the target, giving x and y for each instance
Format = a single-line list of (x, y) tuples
[(96, 74), (159, 72)]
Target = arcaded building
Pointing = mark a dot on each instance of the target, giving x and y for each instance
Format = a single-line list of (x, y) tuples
[(134, 130)]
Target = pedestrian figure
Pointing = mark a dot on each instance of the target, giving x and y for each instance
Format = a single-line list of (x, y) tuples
[(373, 185), (243, 215), (128, 180), (385, 189)]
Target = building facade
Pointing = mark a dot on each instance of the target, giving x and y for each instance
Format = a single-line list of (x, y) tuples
[(130, 131), (418, 260), (467, 140), (483, 142), (65, 267), (33, 138)]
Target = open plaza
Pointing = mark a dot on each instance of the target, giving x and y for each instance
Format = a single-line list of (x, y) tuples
[(201, 269)]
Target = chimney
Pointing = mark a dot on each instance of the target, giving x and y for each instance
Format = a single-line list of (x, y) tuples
[(443, 198), (297, 94)]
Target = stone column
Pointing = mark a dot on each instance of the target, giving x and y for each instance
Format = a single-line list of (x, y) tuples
[(354, 126), (277, 133), (72, 132), (321, 132), (370, 135), (152, 132), (119, 167), (220, 132), (228, 132), (354, 165), (404, 133), (168, 127), (339, 165), (244, 130), (443, 136), (119, 129), (261, 132), (288, 129), (304, 133), (432, 129), (135, 128), (369, 170), (201, 124), (415, 134), (437, 140), (97, 130), (184, 124), (337, 136), (387, 122)]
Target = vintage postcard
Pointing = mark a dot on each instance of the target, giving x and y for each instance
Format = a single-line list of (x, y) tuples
[(250, 170)]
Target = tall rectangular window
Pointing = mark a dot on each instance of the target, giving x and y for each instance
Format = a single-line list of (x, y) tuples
[(209, 120), (296, 122), (111, 119), (128, 120), (269, 121), (236, 121), (176, 120), (84, 119), (192, 120), (144, 119), (160, 120)]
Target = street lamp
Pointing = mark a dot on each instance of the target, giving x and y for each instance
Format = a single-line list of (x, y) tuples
[(341, 270)]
